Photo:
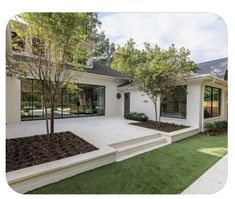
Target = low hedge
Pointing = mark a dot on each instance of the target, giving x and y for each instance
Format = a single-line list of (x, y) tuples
[(137, 117), (216, 126)]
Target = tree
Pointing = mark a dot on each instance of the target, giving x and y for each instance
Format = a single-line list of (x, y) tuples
[(103, 49), (127, 58), (56, 57), (161, 71)]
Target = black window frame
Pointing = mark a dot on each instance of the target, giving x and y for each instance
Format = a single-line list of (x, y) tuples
[(211, 101), (184, 102), (61, 96)]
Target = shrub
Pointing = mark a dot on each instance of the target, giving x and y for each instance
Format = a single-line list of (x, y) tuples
[(142, 117), (216, 126), (137, 116), (221, 124), (211, 127)]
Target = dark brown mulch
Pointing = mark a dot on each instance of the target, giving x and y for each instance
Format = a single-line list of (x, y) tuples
[(29, 151), (166, 127), (214, 133)]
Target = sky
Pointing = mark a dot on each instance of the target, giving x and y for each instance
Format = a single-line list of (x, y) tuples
[(204, 34)]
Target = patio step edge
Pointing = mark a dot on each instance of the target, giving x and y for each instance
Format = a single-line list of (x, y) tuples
[(132, 154), (121, 144), (138, 148)]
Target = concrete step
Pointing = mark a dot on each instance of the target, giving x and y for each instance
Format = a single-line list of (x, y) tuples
[(137, 148), (135, 141)]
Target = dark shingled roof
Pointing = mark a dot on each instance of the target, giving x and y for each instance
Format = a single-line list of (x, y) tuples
[(125, 83), (216, 67), (101, 69), (98, 68)]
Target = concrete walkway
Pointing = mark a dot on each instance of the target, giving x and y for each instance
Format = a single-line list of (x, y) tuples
[(212, 180)]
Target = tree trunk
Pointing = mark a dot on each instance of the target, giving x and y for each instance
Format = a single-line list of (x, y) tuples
[(47, 124), (52, 117), (53, 101), (155, 108), (46, 113), (159, 120)]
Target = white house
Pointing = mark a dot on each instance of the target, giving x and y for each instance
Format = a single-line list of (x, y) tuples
[(106, 92)]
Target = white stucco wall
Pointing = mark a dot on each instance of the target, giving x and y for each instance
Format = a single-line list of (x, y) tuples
[(140, 102), (13, 100), (112, 104)]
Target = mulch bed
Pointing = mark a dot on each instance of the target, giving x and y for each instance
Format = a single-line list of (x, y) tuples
[(29, 151), (212, 133), (166, 127)]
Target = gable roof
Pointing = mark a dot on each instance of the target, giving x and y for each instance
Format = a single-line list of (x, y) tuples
[(216, 67), (98, 68)]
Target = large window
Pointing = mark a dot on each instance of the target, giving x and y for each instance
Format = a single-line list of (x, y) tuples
[(86, 100), (174, 106), (212, 101)]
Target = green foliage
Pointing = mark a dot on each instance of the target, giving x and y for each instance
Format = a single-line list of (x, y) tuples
[(103, 49), (58, 35), (216, 126), (162, 71), (59, 49), (221, 124), (137, 116), (126, 59), (13, 69)]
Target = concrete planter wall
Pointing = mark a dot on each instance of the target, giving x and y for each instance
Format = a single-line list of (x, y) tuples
[(27, 179)]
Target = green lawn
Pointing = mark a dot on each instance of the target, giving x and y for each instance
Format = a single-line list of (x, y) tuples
[(169, 169)]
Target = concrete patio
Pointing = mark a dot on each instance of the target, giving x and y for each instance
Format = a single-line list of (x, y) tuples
[(99, 130), (113, 135)]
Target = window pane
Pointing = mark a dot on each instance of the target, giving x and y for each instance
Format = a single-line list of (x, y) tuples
[(26, 106), (85, 100), (215, 102), (175, 105), (212, 98), (207, 102), (66, 105), (74, 103), (98, 100), (37, 106), (58, 106)]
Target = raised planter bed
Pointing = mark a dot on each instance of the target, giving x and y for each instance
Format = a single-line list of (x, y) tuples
[(181, 134), (29, 151), (30, 178), (165, 127)]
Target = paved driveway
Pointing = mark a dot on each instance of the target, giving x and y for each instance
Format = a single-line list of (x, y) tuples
[(99, 131)]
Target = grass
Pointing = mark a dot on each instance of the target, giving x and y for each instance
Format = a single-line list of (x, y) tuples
[(169, 169)]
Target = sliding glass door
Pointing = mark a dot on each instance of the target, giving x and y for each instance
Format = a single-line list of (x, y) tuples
[(85, 100)]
